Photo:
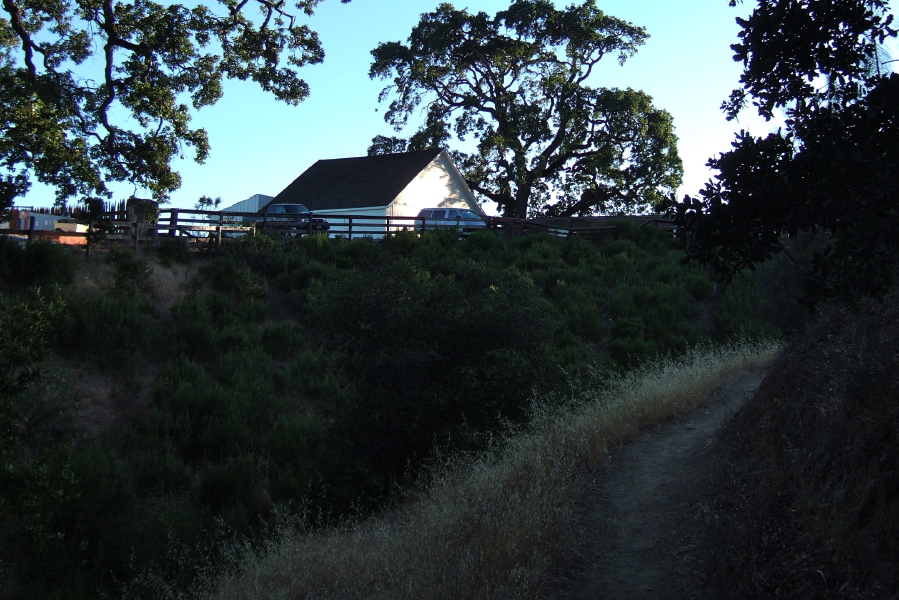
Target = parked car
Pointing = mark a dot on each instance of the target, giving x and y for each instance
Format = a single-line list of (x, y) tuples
[(462, 219), (292, 219)]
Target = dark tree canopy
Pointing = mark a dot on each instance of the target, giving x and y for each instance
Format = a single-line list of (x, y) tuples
[(98, 91), (517, 83), (831, 169), (801, 54), (382, 144)]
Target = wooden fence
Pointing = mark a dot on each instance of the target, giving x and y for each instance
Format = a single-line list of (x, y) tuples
[(212, 228)]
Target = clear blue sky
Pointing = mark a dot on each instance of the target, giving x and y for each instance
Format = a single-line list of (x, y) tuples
[(260, 145)]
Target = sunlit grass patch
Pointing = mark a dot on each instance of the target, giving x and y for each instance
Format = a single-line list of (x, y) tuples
[(492, 525)]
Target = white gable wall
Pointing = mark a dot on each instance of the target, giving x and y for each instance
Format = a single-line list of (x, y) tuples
[(438, 185), (341, 225)]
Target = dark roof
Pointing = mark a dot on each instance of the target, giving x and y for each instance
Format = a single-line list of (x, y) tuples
[(356, 182)]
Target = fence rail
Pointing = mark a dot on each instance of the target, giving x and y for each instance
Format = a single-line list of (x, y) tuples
[(212, 228)]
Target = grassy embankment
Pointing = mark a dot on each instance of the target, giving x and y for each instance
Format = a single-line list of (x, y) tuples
[(167, 407), (492, 525), (809, 496)]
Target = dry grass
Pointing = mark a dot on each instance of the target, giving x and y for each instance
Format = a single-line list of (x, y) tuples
[(808, 502), (493, 526)]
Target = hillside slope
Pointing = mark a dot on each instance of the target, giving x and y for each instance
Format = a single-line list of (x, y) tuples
[(172, 400), (809, 500)]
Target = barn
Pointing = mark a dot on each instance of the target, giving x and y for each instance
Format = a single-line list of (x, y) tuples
[(385, 185)]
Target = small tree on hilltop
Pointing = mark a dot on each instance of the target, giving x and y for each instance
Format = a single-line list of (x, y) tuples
[(547, 142)]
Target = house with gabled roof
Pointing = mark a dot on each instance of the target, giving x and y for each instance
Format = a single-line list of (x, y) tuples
[(385, 185)]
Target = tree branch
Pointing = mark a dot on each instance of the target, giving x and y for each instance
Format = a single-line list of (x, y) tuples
[(498, 197), (28, 45)]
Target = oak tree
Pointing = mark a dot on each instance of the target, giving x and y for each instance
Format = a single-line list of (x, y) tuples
[(518, 82), (830, 170), (99, 91)]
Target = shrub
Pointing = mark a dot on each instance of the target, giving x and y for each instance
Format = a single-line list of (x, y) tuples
[(738, 312), (109, 331), (100, 526), (541, 253), (485, 525), (38, 263), (200, 417), (131, 274), (280, 340), (485, 246), (332, 388), (37, 424), (214, 323), (173, 250), (229, 489), (401, 242), (432, 357), (297, 448), (229, 276)]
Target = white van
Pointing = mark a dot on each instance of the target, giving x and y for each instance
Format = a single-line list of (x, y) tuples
[(462, 219)]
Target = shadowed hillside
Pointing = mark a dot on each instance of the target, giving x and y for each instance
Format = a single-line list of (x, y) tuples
[(810, 504), (155, 406)]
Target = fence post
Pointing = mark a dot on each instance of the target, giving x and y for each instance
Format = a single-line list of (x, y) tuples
[(173, 222), (133, 218), (218, 233), (31, 225), (349, 228)]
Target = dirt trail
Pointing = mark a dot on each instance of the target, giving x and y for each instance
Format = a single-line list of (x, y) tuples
[(641, 529)]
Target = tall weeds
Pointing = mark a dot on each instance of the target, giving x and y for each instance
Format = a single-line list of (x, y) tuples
[(493, 525)]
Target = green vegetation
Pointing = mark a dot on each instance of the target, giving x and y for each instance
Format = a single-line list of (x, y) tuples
[(313, 381), (808, 497), (489, 525)]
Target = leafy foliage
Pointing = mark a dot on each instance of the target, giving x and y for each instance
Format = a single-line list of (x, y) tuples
[(517, 82), (788, 46), (76, 127), (36, 424), (35, 264), (830, 170), (438, 356)]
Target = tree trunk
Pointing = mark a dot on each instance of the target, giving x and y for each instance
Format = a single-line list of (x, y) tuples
[(518, 209)]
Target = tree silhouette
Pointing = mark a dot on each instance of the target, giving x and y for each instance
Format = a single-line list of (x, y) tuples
[(831, 168), (517, 82), (96, 92)]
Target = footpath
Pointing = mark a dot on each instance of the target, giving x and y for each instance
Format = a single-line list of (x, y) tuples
[(641, 529)]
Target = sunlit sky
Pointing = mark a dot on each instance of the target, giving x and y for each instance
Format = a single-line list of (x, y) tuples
[(260, 145)]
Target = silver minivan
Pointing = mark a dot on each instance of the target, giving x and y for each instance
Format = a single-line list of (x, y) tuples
[(463, 220)]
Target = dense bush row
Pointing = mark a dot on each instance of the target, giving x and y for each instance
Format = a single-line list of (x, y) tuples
[(312, 376)]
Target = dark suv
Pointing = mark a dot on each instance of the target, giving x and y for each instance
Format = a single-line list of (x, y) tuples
[(292, 219)]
